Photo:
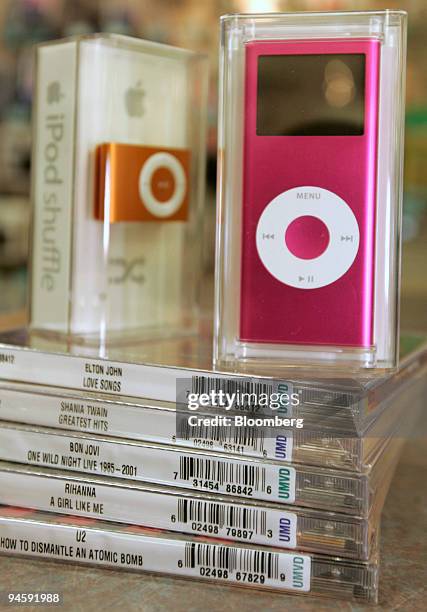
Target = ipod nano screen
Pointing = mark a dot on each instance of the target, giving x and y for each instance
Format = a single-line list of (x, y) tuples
[(311, 95)]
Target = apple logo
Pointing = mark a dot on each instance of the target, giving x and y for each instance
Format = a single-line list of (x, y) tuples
[(134, 100), (54, 92)]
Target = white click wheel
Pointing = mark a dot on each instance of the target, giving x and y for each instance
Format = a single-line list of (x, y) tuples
[(162, 184), (307, 237)]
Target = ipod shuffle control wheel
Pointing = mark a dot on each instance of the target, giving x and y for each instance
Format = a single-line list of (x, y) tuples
[(162, 184)]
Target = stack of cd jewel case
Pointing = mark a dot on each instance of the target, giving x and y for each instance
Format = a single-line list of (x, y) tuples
[(107, 468)]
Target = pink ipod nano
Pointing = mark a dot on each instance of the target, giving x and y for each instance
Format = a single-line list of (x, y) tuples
[(309, 192)]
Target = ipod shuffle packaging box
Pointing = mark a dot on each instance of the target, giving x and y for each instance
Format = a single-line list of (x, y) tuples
[(118, 186), (311, 120)]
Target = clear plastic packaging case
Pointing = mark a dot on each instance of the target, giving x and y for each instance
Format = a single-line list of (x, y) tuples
[(48, 536), (118, 188), (195, 512), (163, 374), (52, 419), (242, 479), (311, 120)]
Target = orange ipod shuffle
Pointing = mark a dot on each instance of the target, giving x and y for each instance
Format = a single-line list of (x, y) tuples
[(138, 183)]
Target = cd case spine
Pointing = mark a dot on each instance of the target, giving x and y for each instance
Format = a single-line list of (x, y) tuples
[(26, 361), (194, 513), (37, 535)]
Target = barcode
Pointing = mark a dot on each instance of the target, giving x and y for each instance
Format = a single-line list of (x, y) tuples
[(204, 384), (219, 514), (222, 472), (232, 559), (250, 437)]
